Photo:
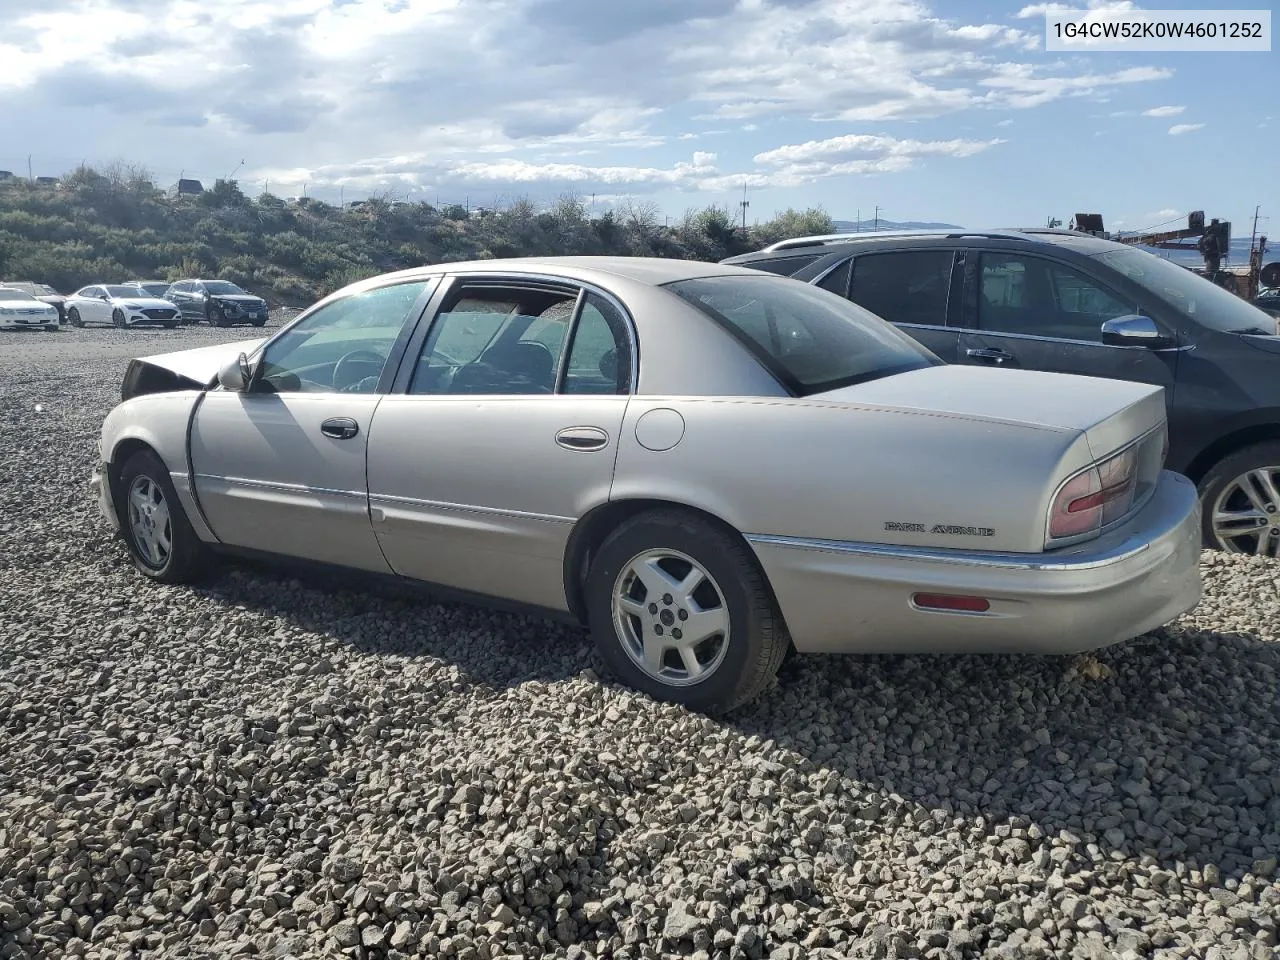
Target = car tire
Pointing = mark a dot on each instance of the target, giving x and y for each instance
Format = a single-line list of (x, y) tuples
[(161, 541), (117, 317), (73, 318), (1222, 490), (258, 323), (626, 617)]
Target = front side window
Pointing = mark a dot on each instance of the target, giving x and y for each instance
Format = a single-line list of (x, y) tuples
[(343, 346), (1196, 298), (810, 340), (904, 287), (1037, 297), (496, 340), (222, 288)]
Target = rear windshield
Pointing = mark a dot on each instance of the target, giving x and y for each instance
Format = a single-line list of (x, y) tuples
[(1190, 294), (811, 340)]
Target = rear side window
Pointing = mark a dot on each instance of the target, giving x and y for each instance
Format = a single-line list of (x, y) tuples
[(837, 281), (910, 286), (810, 340)]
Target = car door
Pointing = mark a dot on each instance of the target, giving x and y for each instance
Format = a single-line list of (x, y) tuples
[(502, 432), (178, 297), (916, 290), (280, 467), (1035, 312), (95, 308)]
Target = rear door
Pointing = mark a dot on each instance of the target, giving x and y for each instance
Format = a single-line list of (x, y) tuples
[(1035, 312), (916, 290), (500, 434)]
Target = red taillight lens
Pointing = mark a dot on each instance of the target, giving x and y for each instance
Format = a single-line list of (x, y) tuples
[(1092, 499)]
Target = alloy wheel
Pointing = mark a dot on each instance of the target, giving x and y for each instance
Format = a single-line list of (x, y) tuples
[(1246, 515), (149, 521), (671, 617)]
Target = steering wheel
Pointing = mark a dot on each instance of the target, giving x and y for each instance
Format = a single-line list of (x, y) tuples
[(345, 376)]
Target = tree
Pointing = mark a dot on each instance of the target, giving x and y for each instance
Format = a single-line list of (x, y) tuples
[(794, 223)]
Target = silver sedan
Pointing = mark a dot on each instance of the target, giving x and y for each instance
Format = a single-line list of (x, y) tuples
[(705, 465)]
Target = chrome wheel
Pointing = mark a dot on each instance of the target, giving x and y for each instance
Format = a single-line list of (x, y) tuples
[(1246, 515), (671, 617), (149, 521)]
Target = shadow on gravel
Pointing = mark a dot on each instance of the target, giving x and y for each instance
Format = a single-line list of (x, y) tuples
[(1175, 754)]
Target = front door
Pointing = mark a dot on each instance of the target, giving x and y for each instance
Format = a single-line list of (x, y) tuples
[(94, 307), (1034, 313), (281, 467), (505, 434)]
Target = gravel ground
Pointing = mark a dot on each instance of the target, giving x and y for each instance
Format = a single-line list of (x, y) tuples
[(273, 767)]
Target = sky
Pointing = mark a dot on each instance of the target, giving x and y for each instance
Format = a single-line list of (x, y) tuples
[(946, 110)]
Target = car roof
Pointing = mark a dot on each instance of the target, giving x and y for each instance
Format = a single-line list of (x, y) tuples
[(822, 245), (652, 271)]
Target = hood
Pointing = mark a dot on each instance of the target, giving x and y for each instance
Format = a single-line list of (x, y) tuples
[(51, 297), (1269, 344), (24, 306), (144, 303), (237, 298), (193, 369), (1109, 413)]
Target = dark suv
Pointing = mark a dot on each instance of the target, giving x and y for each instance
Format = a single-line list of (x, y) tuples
[(220, 302), (1068, 302)]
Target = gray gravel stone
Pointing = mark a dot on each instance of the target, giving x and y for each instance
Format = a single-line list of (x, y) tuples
[(274, 766)]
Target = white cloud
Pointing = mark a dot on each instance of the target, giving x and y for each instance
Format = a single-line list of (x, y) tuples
[(1056, 9), (1006, 122), (1163, 111), (1180, 128)]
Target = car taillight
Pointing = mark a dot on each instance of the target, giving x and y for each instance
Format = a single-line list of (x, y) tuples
[(1095, 497)]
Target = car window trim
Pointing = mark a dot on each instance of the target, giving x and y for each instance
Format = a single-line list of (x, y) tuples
[(540, 281)]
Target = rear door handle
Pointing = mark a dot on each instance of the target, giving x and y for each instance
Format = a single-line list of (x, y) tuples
[(582, 439), (340, 428), (994, 354)]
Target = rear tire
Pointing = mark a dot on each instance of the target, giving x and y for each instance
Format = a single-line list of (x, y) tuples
[(73, 318), (160, 538), (667, 573), (1244, 486)]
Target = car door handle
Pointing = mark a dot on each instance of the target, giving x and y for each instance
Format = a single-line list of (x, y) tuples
[(994, 354), (582, 439), (340, 428)]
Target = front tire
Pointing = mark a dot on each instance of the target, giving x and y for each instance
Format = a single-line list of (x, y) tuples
[(1240, 502), (161, 541), (117, 317), (681, 610), (73, 317)]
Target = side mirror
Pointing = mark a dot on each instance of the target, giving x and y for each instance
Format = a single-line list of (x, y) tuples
[(1134, 330), (236, 375)]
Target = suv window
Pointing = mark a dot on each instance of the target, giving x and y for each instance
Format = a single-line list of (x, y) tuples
[(343, 346), (810, 340), (911, 286), (837, 280), (786, 266), (1030, 295)]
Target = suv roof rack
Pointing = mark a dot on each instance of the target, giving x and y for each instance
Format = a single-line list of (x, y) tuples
[(829, 238)]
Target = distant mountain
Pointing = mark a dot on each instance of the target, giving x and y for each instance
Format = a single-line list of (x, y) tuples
[(851, 226)]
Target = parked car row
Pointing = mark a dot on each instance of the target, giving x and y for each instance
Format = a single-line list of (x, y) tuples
[(150, 302), (1065, 302)]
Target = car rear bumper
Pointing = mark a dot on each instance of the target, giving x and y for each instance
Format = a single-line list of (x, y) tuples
[(839, 597)]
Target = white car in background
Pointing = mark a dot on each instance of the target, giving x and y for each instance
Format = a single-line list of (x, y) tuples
[(20, 309), (121, 305)]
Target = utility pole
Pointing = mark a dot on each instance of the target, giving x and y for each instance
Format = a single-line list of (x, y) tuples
[(857, 224), (30, 176), (877, 223), (1254, 236), (744, 204)]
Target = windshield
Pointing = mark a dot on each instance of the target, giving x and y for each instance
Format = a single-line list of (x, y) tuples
[(1190, 294), (811, 340), (35, 289), (118, 290), (13, 295), (154, 289), (222, 287)]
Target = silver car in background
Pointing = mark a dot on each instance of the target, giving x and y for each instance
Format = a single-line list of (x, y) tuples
[(705, 465)]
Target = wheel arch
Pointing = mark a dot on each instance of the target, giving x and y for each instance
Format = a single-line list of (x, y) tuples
[(1230, 443), (596, 524)]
